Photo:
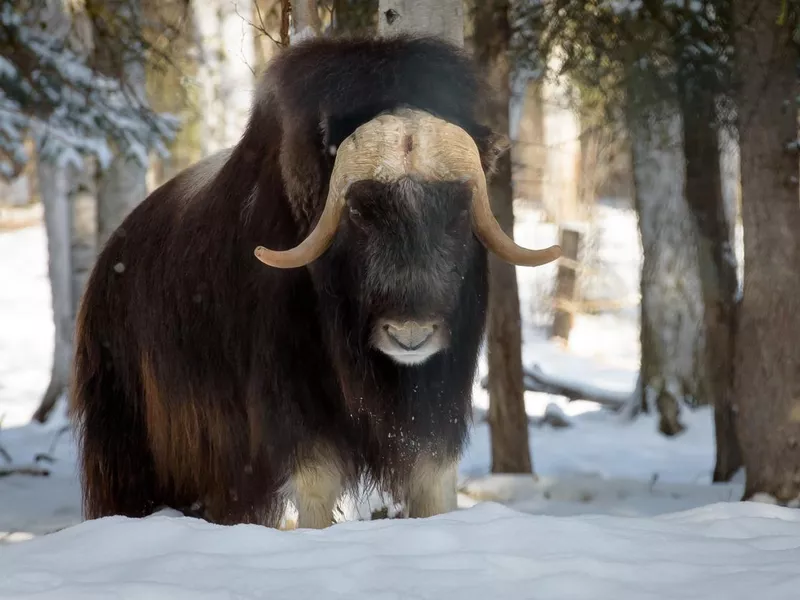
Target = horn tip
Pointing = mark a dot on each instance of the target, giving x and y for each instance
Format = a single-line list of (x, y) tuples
[(554, 252), (545, 256), (264, 256), (278, 259)]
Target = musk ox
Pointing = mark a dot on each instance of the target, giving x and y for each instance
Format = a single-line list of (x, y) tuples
[(221, 383)]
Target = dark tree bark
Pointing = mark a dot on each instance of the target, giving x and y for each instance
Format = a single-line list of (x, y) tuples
[(767, 374), (508, 421), (715, 255)]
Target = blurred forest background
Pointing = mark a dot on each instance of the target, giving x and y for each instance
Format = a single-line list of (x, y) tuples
[(655, 140)]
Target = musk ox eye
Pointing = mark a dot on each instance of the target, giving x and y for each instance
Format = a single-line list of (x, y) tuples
[(356, 217)]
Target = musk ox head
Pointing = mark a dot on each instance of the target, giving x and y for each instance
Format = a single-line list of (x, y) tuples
[(406, 210)]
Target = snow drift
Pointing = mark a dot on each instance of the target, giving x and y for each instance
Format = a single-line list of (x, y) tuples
[(732, 551)]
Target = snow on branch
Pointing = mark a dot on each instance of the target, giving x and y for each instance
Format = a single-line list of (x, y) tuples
[(51, 94), (625, 56)]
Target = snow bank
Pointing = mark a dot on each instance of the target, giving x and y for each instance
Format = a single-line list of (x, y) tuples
[(732, 551)]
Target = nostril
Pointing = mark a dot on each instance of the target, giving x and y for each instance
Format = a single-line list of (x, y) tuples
[(410, 335)]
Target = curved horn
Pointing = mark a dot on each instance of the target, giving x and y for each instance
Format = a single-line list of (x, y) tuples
[(380, 150), (457, 156), (369, 152)]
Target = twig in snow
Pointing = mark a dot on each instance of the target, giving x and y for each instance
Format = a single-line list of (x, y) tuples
[(48, 456), (32, 471), (52, 450), (4, 453)]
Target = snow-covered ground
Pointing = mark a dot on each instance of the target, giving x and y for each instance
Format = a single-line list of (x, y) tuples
[(731, 551), (599, 520)]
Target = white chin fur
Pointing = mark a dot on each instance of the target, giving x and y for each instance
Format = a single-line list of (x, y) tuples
[(409, 358)]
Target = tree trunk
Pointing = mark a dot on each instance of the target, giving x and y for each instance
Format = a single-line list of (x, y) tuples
[(69, 197), (717, 262), (70, 239), (508, 421), (225, 75), (123, 184), (671, 341), (767, 373), (121, 187), (305, 20), (268, 21), (54, 193), (444, 18), (355, 16), (83, 201), (237, 80)]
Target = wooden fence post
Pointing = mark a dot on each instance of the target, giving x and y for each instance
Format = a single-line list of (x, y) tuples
[(566, 283)]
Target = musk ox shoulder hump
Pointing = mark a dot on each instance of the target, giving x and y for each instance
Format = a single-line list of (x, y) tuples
[(340, 78), (322, 89)]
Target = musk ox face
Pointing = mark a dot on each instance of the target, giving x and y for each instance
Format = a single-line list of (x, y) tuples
[(407, 198), (405, 247)]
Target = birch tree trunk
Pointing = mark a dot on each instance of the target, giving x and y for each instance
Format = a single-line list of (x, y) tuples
[(767, 373), (443, 18), (53, 182), (70, 221), (83, 201), (672, 365), (508, 420), (67, 194)]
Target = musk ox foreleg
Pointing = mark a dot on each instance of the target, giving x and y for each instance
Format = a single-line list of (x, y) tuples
[(431, 488), (316, 485)]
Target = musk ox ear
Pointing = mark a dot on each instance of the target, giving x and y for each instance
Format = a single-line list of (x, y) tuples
[(301, 170), (333, 133), (492, 146)]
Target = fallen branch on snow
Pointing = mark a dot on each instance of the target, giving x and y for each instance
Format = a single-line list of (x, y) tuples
[(538, 381)]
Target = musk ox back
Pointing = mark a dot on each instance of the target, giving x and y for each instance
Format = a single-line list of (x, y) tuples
[(221, 383)]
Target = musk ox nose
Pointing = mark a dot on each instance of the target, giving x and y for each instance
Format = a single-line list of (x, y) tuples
[(409, 341), (410, 335)]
